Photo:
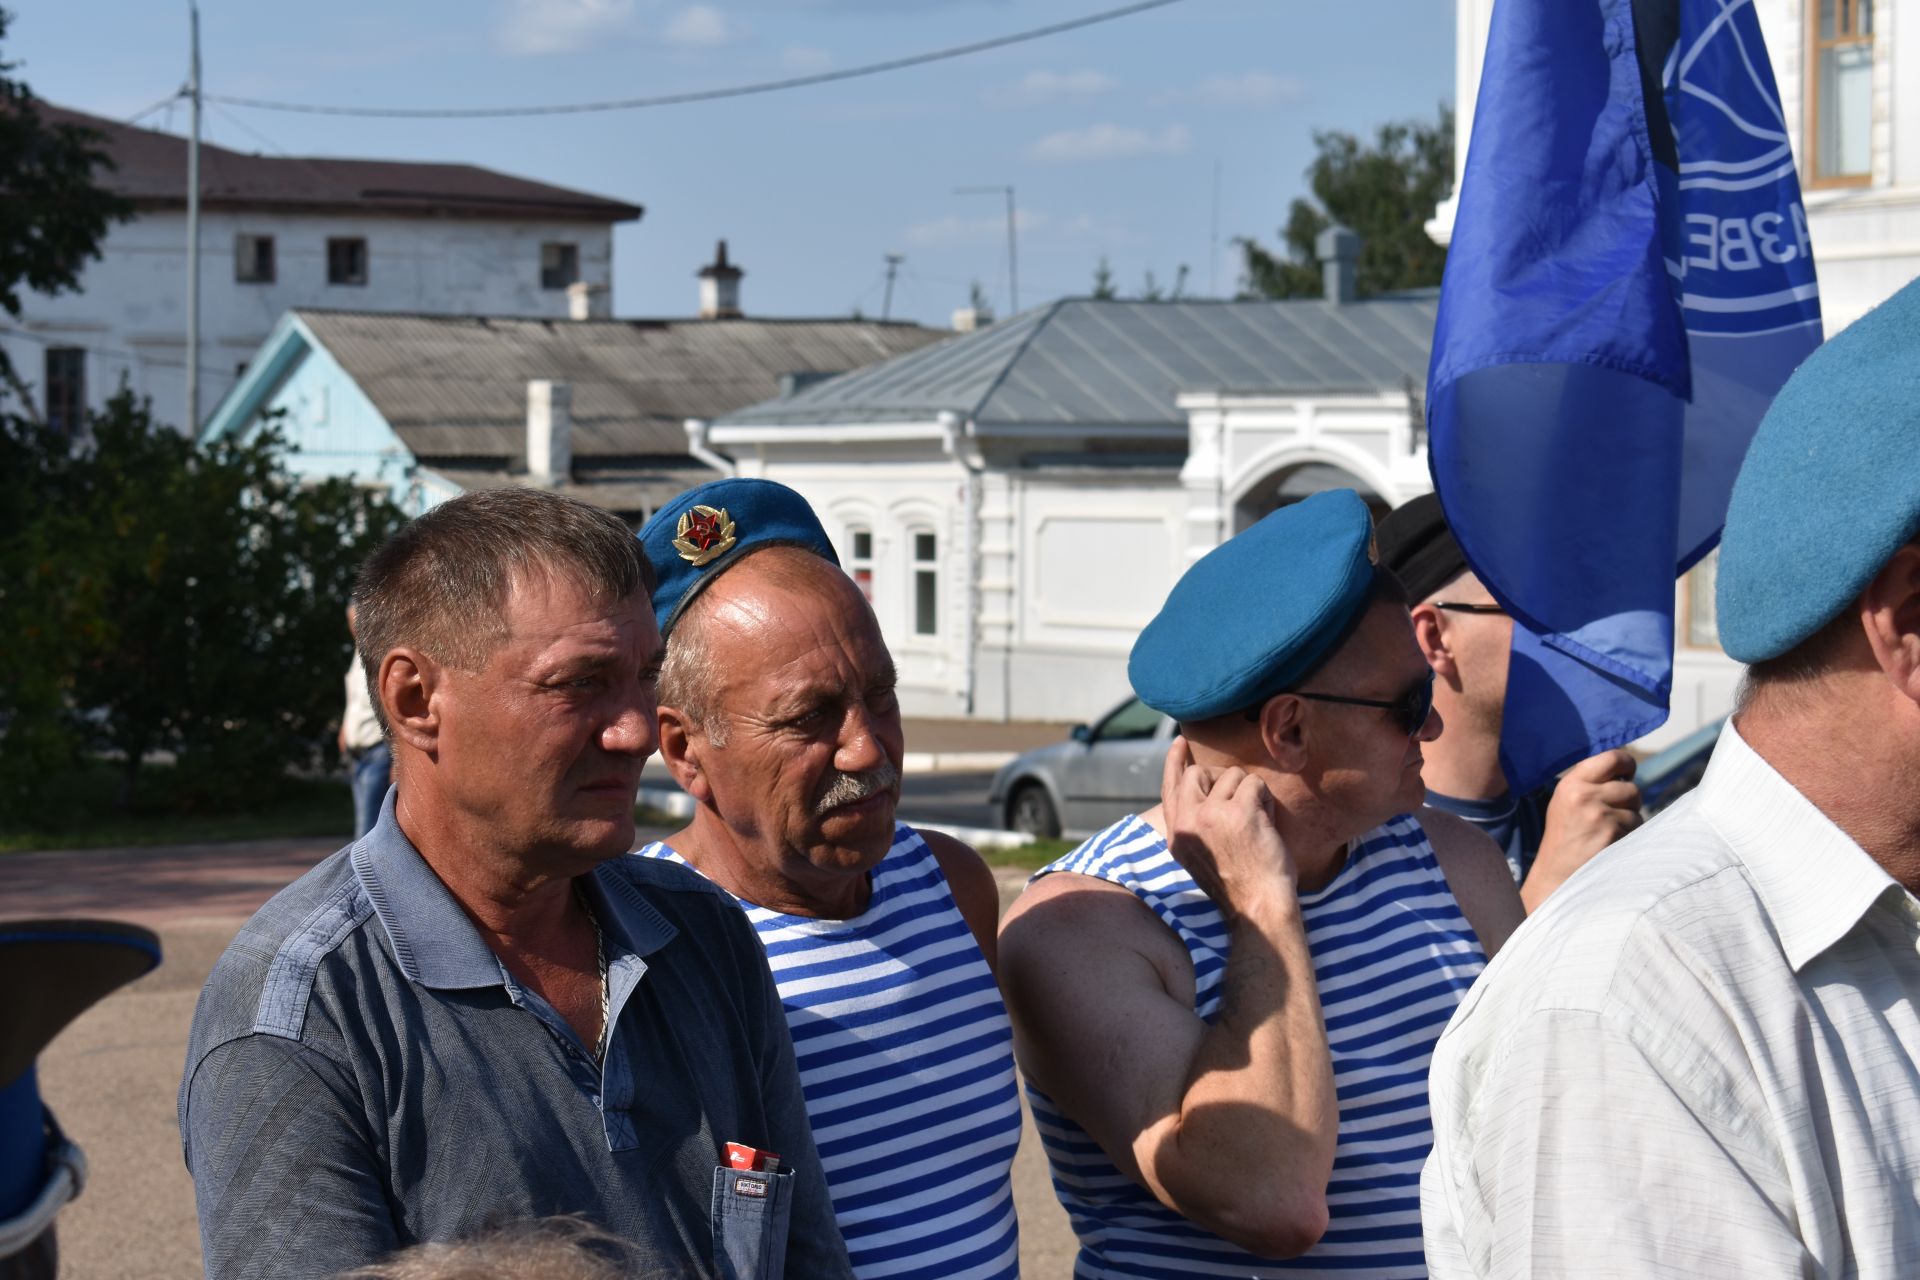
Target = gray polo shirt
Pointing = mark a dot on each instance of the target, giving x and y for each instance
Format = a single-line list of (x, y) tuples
[(364, 1074)]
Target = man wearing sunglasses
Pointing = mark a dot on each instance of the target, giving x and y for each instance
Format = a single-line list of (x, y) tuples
[(1224, 1006), (1547, 834)]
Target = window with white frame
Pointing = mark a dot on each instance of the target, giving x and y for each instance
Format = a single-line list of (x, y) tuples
[(1841, 126), (926, 582), (860, 559)]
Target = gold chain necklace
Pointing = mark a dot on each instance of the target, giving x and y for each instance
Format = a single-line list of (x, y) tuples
[(600, 957)]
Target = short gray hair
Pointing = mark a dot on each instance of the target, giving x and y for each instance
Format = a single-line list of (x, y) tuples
[(565, 1248), (440, 584)]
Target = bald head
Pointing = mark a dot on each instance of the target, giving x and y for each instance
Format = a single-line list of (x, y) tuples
[(714, 638)]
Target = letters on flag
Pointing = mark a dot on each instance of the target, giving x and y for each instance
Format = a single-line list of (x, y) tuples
[(1630, 281)]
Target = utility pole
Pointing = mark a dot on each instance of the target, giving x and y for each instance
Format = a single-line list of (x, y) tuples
[(893, 264), (1013, 241), (193, 232)]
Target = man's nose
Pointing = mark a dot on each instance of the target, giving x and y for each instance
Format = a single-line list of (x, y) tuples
[(1433, 726), (634, 730), (860, 748)]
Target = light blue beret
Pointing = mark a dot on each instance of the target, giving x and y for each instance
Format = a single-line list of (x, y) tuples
[(712, 527), (1830, 488), (1259, 612)]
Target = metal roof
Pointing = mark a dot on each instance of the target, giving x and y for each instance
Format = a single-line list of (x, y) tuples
[(456, 386), (1106, 362), (150, 168)]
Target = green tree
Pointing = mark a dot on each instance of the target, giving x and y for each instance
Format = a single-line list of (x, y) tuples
[(180, 600), (1385, 191), (52, 216)]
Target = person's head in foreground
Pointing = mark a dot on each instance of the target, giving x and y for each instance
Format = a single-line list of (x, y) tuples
[(510, 646), (778, 711), (1699, 1059), (563, 1248)]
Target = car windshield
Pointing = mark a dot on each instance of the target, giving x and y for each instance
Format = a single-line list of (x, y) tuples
[(1135, 719)]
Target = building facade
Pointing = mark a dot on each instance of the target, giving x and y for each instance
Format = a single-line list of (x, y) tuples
[(281, 233)]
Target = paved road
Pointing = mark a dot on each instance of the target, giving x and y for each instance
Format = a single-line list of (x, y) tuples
[(112, 1075)]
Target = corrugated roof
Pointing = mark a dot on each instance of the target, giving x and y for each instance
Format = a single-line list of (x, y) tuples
[(456, 386), (150, 168), (1095, 362)]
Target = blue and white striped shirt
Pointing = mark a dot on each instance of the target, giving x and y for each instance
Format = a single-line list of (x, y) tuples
[(906, 1062), (1393, 956)]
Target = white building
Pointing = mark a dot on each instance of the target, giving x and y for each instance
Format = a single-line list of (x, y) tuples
[(1018, 501), (279, 233)]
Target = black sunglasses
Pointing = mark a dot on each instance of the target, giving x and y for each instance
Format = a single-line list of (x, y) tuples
[(1410, 709), (1455, 606)]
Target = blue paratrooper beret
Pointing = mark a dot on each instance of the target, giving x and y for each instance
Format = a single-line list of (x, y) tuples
[(712, 527), (1830, 487), (1260, 612)]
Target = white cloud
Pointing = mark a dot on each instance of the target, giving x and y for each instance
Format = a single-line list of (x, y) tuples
[(1109, 142), (955, 231), (1037, 87), (702, 27), (558, 26), (805, 59), (1252, 89)]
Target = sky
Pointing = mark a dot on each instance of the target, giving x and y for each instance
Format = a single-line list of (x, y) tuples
[(1152, 141)]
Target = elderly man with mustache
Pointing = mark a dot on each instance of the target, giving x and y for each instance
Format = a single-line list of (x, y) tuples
[(778, 716)]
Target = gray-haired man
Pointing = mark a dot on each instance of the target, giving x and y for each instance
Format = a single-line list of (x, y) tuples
[(481, 1011)]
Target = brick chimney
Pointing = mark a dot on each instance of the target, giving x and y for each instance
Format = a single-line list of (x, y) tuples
[(720, 287), (549, 432)]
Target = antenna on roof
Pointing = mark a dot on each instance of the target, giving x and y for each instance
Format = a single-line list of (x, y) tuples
[(886, 304), (192, 423)]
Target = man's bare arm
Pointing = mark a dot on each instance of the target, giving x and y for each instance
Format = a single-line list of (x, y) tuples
[(975, 892), (1232, 1125), (1478, 874)]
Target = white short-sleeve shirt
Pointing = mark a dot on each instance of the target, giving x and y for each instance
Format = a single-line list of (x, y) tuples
[(1699, 1059)]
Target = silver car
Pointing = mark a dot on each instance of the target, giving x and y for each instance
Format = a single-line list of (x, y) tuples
[(1083, 784)]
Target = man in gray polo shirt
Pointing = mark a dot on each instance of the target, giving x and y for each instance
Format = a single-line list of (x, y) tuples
[(481, 1011)]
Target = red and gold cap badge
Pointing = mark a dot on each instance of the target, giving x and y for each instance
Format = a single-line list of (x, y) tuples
[(704, 533)]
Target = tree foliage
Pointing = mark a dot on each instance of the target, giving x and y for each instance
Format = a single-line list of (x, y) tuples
[(162, 597), (52, 216), (1385, 191)]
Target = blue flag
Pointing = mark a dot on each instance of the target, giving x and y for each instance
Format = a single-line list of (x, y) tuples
[(1629, 283)]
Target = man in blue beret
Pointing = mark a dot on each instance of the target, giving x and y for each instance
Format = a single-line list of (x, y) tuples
[(1702, 1056), (778, 715), (483, 1010), (1224, 1006)]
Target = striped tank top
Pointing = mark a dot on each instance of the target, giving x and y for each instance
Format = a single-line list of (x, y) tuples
[(906, 1061), (1393, 956)]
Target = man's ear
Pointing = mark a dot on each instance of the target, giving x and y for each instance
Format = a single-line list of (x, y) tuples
[(1430, 633), (681, 744), (1890, 613), (411, 687), (1282, 734)]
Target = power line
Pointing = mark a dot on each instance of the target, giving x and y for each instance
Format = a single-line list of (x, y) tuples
[(146, 111), (699, 95)]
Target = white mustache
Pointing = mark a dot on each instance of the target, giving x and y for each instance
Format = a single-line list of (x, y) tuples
[(846, 788)]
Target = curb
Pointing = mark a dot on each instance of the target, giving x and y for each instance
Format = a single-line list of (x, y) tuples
[(678, 804), (953, 761)]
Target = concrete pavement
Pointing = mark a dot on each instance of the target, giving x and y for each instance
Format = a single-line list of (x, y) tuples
[(112, 1077)]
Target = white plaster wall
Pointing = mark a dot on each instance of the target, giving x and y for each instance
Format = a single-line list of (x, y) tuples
[(131, 312)]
